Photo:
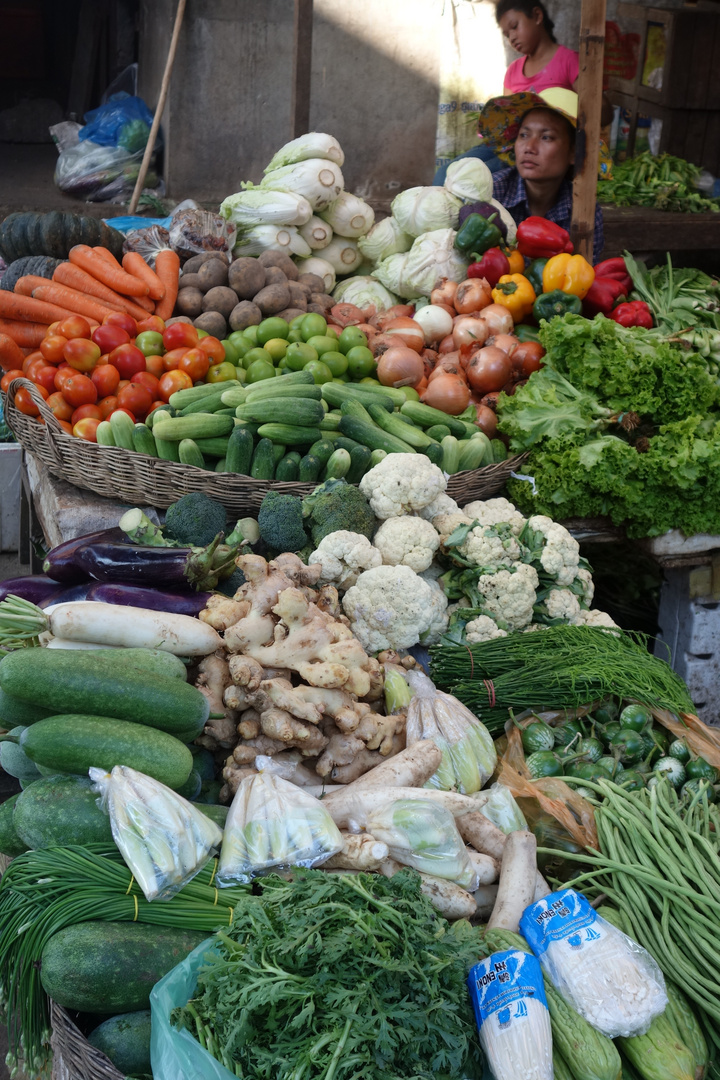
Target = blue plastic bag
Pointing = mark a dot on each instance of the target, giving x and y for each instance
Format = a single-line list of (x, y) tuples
[(123, 121)]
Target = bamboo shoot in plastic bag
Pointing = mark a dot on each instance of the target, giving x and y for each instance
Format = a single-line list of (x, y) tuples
[(502, 810), (423, 835)]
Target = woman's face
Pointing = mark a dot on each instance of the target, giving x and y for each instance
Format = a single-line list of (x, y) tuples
[(522, 31), (543, 148)]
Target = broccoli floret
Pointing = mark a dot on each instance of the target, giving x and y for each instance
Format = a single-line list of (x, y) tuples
[(281, 522), (231, 585), (337, 505), (195, 519)]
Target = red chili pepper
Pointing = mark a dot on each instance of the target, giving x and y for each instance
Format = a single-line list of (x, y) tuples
[(634, 313), (615, 268), (538, 238), (602, 296), (493, 265)]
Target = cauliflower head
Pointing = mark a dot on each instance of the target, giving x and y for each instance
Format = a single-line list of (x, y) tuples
[(484, 547), (595, 618), (402, 484), (495, 512), (483, 629), (562, 604), (438, 615), (442, 505), (407, 541), (584, 580), (344, 556), (446, 523), (560, 552), (390, 607), (509, 596)]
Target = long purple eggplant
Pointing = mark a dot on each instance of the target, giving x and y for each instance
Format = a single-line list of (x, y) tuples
[(153, 599), (61, 563), (130, 564), (37, 588), (69, 594)]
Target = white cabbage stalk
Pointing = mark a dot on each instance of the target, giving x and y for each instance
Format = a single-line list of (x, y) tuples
[(258, 207), (313, 145), (384, 239), (316, 233), (349, 215), (424, 209), (470, 180), (509, 221), (342, 254), (320, 181), (415, 273), (271, 238), (364, 292), (321, 267)]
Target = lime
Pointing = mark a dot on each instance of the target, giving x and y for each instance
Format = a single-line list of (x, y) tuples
[(312, 325), (277, 347), (272, 328), (322, 343), (337, 363), (250, 334), (320, 372), (260, 370), (350, 337), (256, 354), (361, 361), (298, 355)]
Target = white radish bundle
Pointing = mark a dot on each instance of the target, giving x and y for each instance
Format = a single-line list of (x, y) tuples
[(423, 835)]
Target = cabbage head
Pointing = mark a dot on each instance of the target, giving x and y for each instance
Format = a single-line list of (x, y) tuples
[(385, 238), (320, 181), (364, 292), (425, 209), (416, 272), (258, 207), (470, 180), (313, 145)]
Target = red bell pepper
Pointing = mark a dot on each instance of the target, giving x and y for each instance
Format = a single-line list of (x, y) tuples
[(634, 313), (602, 296), (538, 238), (615, 268), (493, 265)]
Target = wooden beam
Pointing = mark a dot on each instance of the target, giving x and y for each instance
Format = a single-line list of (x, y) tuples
[(302, 68), (587, 148)]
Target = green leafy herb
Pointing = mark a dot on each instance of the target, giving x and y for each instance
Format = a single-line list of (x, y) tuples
[(664, 182)]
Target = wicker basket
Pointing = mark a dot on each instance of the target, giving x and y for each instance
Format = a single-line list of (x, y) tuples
[(147, 481), (73, 1056)]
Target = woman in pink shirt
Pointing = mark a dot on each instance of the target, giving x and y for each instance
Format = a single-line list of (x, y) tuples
[(529, 30)]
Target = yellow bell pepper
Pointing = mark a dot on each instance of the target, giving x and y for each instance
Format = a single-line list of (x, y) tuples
[(568, 273), (515, 292), (517, 262)]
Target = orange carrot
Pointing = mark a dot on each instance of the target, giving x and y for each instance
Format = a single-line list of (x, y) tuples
[(27, 335), (73, 300), (134, 263), (146, 303), (11, 356), (107, 255), (29, 309), (100, 268), (75, 278), (167, 268), (26, 284)]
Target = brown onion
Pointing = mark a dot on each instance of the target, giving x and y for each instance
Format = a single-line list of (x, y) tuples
[(347, 315), (474, 294), (381, 343), (507, 342), (444, 292), (469, 331), (491, 400), (498, 319), (486, 421), (489, 369), (398, 311), (528, 357), (447, 344), (446, 366), (408, 332), (449, 393), (429, 359), (400, 366)]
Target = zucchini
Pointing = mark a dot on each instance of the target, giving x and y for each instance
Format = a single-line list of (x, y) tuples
[(125, 1040), (309, 469), (472, 454), (290, 434), (15, 761), (389, 422), (239, 451), (371, 435), (213, 447), (144, 440), (182, 398), (300, 412), (499, 450), (426, 416), (61, 810), (74, 743), (189, 454), (288, 467), (323, 450), (80, 681), (10, 843), (263, 461), (338, 465), (210, 404), (336, 393), (331, 421), (435, 452), (359, 463), (15, 711), (103, 434), (166, 450), (199, 426), (437, 431), (111, 967), (451, 454), (123, 430)]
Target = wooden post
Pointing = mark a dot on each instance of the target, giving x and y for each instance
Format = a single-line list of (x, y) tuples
[(302, 68), (587, 149)]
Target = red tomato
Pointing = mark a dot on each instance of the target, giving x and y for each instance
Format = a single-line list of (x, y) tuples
[(156, 405), (108, 337), (180, 335), (126, 411), (106, 378), (79, 390), (25, 404), (174, 380), (82, 354), (136, 399), (59, 406), (153, 322), (214, 348), (86, 429), (120, 318), (122, 384), (196, 363), (31, 358), (84, 411), (154, 364), (52, 348), (172, 358), (31, 367), (74, 326), (127, 359), (107, 405), (52, 328), (144, 378), (61, 375), (45, 376), (65, 426), (8, 377)]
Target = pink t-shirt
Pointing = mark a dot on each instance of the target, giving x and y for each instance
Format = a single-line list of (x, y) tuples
[(561, 71)]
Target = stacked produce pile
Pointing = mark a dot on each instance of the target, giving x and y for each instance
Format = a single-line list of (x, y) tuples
[(663, 182)]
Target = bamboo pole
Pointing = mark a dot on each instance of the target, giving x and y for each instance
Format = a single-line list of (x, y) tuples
[(587, 144), (302, 68)]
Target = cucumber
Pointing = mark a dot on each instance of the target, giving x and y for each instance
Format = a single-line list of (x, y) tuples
[(209, 404), (472, 454), (499, 450), (104, 435), (288, 467), (15, 761), (213, 447), (182, 398), (356, 408), (144, 440), (14, 711), (426, 416), (342, 441), (221, 465), (199, 426), (369, 434), (435, 453), (271, 390), (123, 430), (192, 786), (189, 454), (263, 461), (437, 431), (75, 743), (396, 394), (233, 398), (359, 463), (323, 450), (215, 812), (107, 967), (279, 452), (125, 1041), (81, 682), (289, 434), (389, 422), (336, 393), (61, 810), (300, 412), (338, 465), (162, 410), (451, 454), (291, 378), (331, 421), (246, 425), (378, 455), (10, 843), (166, 450), (309, 469)]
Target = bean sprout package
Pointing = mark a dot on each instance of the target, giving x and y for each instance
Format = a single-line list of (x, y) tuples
[(603, 974), (163, 838), (468, 750), (271, 824)]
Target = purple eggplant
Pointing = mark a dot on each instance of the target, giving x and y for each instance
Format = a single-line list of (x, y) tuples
[(154, 599), (61, 563), (69, 595), (38, 589), (175, 568)]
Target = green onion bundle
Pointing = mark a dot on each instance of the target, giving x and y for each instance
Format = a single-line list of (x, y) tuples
[(44, 891), (559, 667)]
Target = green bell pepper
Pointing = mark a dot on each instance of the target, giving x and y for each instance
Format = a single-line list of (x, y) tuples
[(550, 304), (477, 234), (525, 332), (534, 273)]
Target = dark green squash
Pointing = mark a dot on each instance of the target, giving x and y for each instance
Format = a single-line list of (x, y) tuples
[(52, 234), (7, 248), (90, 231)]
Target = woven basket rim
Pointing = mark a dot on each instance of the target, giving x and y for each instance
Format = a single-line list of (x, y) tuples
[(81, 1060)]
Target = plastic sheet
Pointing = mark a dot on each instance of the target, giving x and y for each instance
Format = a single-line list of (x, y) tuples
[(196, 231), (423, 835), (147, 242)]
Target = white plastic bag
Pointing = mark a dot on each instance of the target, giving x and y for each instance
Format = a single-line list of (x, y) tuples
[(603, 974), (421, 834), (163, 838), (502, 810)]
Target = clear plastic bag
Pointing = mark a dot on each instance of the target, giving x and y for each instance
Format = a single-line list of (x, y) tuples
[(273, 824), (602, 973), (123, 121), (511, 1012), (163, 838), (421, 834), (469, 756), (502, 810), (100, 173), (147, 242), (196, 231)]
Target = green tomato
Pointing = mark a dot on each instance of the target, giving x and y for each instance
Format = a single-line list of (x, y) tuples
[(256, 354), (250, 334), (336, 362), (312, 325), (223, 372), (150, 343), (294, 336), (231, 353), (350, 337), (344, 378), (296, 323), (368, 380), (298, 355), (260, 370), (321, 343), (240, 343), (410, 393), (361, 361), (332, 332), (320, 372), (272, 328), (277, 347)]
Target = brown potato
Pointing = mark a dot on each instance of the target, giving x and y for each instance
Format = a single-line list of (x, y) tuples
[(189, 302), (290, 313), (279, 258), (245, 314), (179, 318), (323, 300), (315, 282), (275, 276), (272, 298), (193, 264), (212, 273), (212, 322), (221, 299), (246, 277), (299, 294), (317, 309)]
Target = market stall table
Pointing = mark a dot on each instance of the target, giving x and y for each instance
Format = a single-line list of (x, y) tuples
[(641, 229)]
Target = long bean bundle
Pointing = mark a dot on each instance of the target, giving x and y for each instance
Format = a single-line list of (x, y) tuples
[(44, 891), (556, 668)]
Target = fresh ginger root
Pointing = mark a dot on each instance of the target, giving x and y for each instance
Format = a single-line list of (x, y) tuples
[(222, 612), (244, 671), (212, 681), (249, 724), (281, 726), (361, 851)]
